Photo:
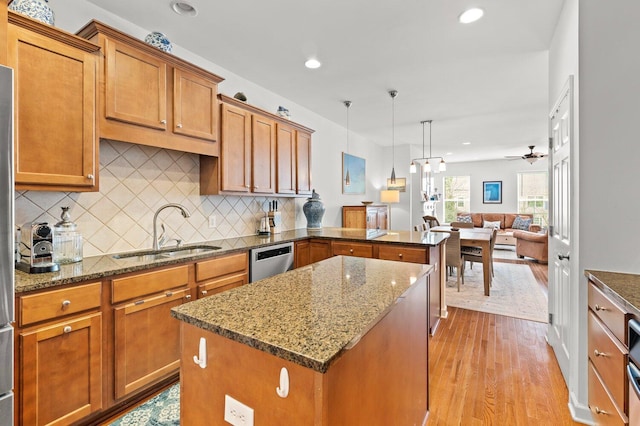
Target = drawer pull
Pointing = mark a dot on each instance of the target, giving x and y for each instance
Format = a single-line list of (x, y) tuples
[(169, 294), (188, 297), (599, 410), (179, 126), (598, 353), (600, 308), (138, 302), (67, 329), (351, 251), (163, 121), (400, 255), (66, 303), (204, 292)]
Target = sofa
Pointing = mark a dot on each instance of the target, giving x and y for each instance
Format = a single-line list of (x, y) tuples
[(532, 244), (506, 220)]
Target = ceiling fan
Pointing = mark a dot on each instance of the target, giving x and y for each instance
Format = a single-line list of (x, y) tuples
[(530, 157)]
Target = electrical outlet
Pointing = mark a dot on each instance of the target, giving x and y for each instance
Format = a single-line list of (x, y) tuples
[(213, 222), (236, 413)]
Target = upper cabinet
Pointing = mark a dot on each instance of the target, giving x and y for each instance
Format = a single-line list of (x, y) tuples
[(56, 145), (258, 154), (153, 98)]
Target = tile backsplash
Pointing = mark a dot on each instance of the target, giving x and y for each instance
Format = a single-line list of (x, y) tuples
[(135, 180)]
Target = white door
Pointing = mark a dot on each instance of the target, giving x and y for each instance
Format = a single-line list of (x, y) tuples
[(560, 231)]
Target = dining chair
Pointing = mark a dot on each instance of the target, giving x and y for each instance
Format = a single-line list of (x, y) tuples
[(431, 220), (454, 256), (421, 227), (461, 224), (474, 254)]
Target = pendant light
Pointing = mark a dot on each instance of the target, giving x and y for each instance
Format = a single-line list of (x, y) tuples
[(393, 94), (347, 178), (426, 168)]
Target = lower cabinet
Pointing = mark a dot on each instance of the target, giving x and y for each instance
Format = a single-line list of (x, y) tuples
[(59, 373), (147, 338), (222, 274)]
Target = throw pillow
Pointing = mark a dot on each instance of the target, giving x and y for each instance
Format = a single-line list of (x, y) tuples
[(491, 225), (464, 219), (521, 223)]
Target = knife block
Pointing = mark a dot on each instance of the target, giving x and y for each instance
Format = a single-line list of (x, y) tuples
[(275, 222)]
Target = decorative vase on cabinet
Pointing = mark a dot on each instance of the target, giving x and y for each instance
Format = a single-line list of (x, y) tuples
[(36, 9), (314, 210)]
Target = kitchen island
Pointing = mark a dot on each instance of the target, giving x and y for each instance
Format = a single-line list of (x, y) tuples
[(350, 332)]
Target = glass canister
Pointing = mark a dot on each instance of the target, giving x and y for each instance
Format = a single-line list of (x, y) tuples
[(67, 240)]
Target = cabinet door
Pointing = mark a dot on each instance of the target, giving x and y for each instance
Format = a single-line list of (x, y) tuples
[(286, 160), (302, 253), (135, 86), (235, 149), (319, 250), (147, 341), (55, 102), (263, 156), (383, 218), (354, 217), (372, 218), (195, 110), (303, 163), (61, 371)]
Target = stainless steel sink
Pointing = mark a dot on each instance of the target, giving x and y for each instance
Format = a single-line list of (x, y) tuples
[(168, 253)]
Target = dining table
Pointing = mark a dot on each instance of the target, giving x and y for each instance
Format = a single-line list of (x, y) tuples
[(475, 237)]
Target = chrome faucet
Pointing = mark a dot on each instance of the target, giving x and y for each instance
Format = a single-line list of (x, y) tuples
[(183, 210)]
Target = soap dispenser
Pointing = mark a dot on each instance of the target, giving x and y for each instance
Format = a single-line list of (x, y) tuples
[(67, 240)]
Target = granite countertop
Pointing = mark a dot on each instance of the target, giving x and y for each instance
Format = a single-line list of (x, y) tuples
[(623, 287), (99, 267), (308, 315)]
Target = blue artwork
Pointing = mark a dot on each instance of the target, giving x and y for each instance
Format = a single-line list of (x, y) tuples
[(492, 192), (355, 167)]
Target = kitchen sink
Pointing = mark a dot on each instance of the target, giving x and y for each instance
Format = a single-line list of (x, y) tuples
[(167, 253)]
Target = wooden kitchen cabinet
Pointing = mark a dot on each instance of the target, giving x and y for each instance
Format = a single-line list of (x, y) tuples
[(348, 248), (222, 273), (294, 160), (56, 143), (59, 355), (319, 250), (608, 358), (147, 338), (153, 98), (365, 217)]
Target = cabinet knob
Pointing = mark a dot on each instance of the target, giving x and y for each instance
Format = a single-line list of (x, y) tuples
[(90, 176), (598, 353), (66, 303), (599, 410), (179, 126), (188, 297), (246, 186), (67, 329), (600, 308), (400, 255), (351, 251), (163, 121), (204, 292), (169, 294)]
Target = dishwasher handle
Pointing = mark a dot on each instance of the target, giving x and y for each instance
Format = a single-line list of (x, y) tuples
[(633, 373)]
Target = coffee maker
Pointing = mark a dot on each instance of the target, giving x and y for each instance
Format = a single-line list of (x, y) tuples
[(36, 248)]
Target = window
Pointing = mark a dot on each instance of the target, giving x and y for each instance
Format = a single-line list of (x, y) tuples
[(457, 196), (533, 196)]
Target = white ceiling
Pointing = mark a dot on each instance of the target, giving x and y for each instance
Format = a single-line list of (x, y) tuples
[(484, 83)]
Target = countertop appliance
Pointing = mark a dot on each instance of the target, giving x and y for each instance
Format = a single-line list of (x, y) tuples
[(7, 246), (633, 372), (272, 260)]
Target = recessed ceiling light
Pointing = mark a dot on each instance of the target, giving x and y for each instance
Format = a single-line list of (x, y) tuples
[(470, 15), (466, 143), (183, 8), (312, 63)]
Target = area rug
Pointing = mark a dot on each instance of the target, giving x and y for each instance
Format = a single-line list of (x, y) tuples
[(161, 410), (514, 292)]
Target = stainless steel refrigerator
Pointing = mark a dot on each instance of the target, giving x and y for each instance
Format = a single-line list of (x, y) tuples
[(7, 246)]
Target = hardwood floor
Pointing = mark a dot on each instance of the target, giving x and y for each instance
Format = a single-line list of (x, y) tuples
[(490, 369)]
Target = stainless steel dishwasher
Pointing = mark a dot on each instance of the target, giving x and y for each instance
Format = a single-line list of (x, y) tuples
[(272, 260)]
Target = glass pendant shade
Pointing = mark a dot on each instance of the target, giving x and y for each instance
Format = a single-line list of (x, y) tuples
[(412, 167), (443, 166), (427, 167)]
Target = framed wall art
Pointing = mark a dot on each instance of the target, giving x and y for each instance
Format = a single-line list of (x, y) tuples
[(400, 185), (492, 192), (355, 167)]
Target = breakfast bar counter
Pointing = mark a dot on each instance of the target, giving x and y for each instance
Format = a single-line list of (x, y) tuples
[(351, 334)]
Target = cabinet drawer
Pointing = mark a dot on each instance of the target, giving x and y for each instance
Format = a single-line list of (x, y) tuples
[(352, 249), (223, 284), (603, 409), (58, 303), (404, 254), (147, 283), (220, 266), (612, 315), (609, 357)]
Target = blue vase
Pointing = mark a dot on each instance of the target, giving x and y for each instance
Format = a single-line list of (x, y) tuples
[(35, 9), (313, 210), (159, 40)]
